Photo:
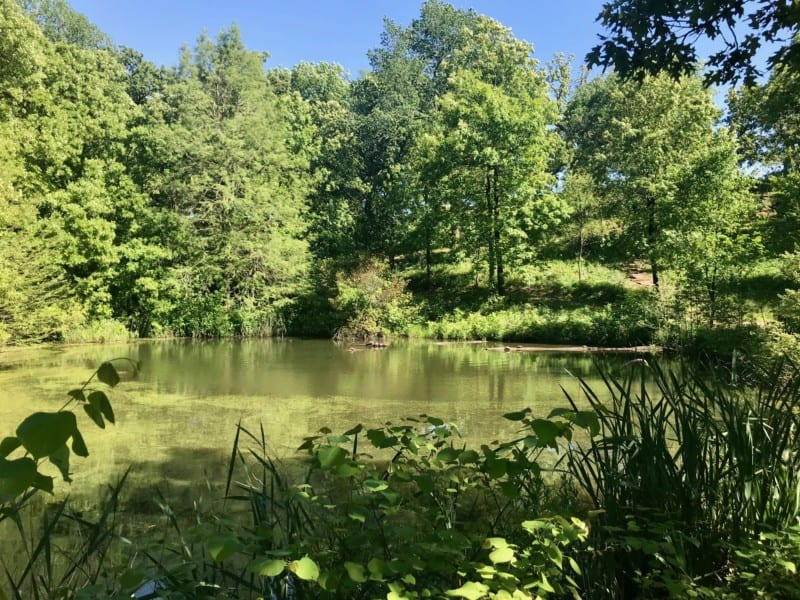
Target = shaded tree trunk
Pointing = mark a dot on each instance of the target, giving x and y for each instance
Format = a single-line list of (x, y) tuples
[(501, 279), (652, 234), (491, 229)]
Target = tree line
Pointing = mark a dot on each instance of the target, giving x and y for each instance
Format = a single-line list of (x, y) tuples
[(222, 197)]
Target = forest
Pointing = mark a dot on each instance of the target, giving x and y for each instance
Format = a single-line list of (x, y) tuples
[(461, 188)]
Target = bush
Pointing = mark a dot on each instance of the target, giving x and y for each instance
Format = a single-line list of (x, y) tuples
[(371, 300)]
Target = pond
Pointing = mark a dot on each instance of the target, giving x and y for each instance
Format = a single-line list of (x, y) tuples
[(176, 421)]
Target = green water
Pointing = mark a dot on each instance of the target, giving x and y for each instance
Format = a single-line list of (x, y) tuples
[(176, 421)]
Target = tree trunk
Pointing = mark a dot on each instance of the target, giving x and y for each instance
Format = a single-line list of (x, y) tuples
[(652, 233), (490, 240), (498, 249)]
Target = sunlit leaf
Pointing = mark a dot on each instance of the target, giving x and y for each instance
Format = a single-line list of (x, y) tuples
[(268, 567), (356, 572), (502, 555), (305, 569), (471, 591), (331, 456), (222, 547)]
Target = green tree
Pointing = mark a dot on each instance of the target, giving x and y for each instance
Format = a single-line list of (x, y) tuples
[(228, 157), (495, 137), (634, 138)]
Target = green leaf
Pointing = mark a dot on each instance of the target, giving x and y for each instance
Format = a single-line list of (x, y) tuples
[(132, 578), (95, 415), (502, 555), (331, 456), (376, 568), (43, 482), (100, 400), (44, 433), (78, 445), (305, 569), (16, 476), (108, 374), (587, 419), (60, 458), (517, 416), (547, 432), (222, 546), (471, 591), (356, 572), (354, 430), (268, 567), (448, 455), (8, 445), (348, 469), (77, 395)]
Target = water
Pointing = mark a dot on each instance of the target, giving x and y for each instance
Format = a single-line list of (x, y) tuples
[(176, 421)]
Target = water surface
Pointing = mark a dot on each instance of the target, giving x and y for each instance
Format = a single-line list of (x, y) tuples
[(176, 421)]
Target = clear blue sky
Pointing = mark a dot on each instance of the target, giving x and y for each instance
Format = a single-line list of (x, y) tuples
[(338, 31)]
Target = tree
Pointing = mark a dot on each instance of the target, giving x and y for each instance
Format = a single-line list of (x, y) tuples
[(494, 144), (712, 235), (633, 138), (647, 37), (227, 157)]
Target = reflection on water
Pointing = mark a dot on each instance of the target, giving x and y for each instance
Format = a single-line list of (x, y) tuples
[(176, 422)]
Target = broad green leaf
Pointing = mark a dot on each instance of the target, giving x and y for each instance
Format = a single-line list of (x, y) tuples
[(16, 476), (77, 395), (448, 455), (268, 567), (222, 547), (471, 591), (376, 568), (60, 458), (331, 456), (305, 569), (376, 485), (587, 419), (132, 578), (78, 445), (44, 433), (354, 430), (348, 469), (502, 555), (95, 414), (547, 432), (108, 374), (100, 400), (518, 415), (43, 482), (356, 572), (8, 445)]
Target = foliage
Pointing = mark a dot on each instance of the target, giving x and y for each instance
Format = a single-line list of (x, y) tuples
[(682, 474), (648, 37), (371, 301)]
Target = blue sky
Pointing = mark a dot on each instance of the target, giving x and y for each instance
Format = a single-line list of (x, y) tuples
[(338, 31)]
